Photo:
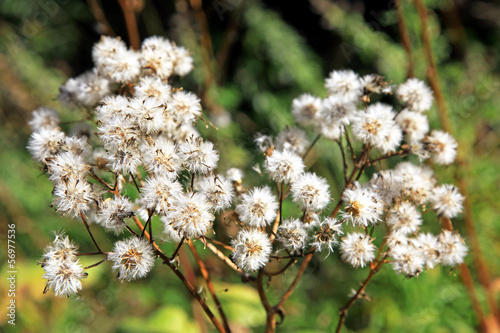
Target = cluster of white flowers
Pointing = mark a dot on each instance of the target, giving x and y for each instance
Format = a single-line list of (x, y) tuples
[(145, 137), (63, 271), (146, 142)]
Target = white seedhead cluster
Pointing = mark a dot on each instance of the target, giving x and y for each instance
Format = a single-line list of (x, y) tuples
[(147, 164)]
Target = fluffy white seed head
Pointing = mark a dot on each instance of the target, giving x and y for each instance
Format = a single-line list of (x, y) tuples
[(66, 167), (357, 249), (252, 249), (345, 83), (387, 184), (429, 249), (292, 139), (198, 156), (112, 213), (74, 197), (404, 217), (414, 125), (447, 201), (183, 62), (85, 90), (306, 108), (190, 215), (408, 259), (292, 235), (161, 158), (337, 109), (234, 175), (45, 143), (442, 146), (159, 193), (218, 191), (44, 118), (157, 57), (452, 248), (153, 87), (311, 191), (363, 206), (417, 181), (327, 235), (415, 95), (63, 278), (184, 106), (258, 208), (132, 258), (284, 166), (62, 249), (149, 113), (376, 126)]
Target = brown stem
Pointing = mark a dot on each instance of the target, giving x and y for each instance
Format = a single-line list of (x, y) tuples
[(96, 264), (189, 286), (210, 286), (405, 38), (432, 70), (311, 146), (290, 290), (90, 233), (483, 274), (227, 247), (135, 182), (271, 315), (178, 247), (343, 311), (100, 17), (290, 263), (344, 163), (223, 257), (131, 23)]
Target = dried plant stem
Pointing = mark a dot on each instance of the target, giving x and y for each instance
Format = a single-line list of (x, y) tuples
[(96, 264), (210, 286), (131, 23), (284, 268), (90, 233), (98, 13), (405, 38), (178, 248), (483, 273), (432, 70), (290, 290), (359, 292), (223, 257), (189, 286)]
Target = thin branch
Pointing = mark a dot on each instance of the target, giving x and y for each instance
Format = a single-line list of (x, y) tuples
[(178, 247), (290, 263), (344, 163), (189, 286), (311, 146), (210, 286), (223, 257), (100, 17), (96, 264), (90, 233), (290, 290), (405, 38), (135, 182), (227, 247), (131, 23), (343, 311)]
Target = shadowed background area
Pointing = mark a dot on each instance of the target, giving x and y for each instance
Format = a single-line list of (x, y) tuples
[(251, 59)]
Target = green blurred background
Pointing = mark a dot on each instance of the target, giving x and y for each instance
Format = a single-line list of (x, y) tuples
[(262, 55)]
